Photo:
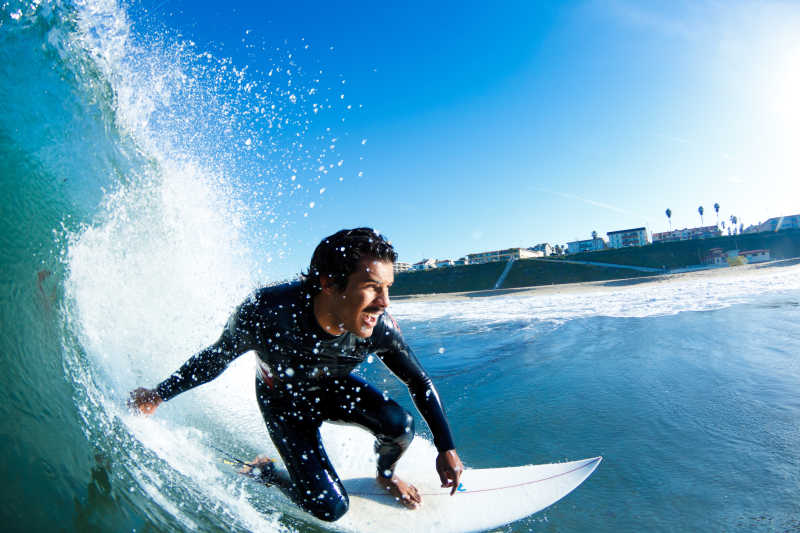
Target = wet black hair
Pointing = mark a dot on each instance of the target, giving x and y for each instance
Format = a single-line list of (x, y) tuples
[(337, 256)]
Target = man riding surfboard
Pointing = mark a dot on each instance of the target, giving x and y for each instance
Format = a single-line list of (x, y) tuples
[(308, 337)]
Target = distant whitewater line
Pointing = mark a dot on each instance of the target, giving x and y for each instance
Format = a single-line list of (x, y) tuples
[(640, 297)]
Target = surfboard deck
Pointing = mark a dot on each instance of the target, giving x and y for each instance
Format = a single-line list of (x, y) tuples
[(486, 498)]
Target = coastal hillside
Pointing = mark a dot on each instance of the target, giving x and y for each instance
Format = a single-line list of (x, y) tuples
[(523, 273), (554, 271), (452, 279)]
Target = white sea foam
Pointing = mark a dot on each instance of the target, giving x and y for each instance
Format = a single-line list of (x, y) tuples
[(688, 293), (156, 274), (154, 278)]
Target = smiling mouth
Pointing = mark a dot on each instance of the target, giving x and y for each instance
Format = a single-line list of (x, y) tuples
[(371, 317)]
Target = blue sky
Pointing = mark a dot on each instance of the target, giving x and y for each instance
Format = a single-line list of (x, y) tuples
[(475, 126)]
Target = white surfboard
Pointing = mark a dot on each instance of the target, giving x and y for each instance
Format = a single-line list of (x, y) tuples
[(487, 498)]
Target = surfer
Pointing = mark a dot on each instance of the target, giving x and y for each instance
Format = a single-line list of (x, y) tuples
[(308, 336)]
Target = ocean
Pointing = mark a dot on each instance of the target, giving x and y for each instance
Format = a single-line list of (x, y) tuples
[(129, 233)]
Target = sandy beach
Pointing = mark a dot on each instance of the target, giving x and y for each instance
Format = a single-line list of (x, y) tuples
[(569, 288)]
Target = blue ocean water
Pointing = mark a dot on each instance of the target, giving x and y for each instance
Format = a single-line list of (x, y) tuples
[(112, 219), (693, 404)]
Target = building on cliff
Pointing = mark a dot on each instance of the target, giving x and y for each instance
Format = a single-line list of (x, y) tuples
[(687, 234), (425, 264), (628, 237), (780, 223), (500, 255), (589, 245), (400, 266)]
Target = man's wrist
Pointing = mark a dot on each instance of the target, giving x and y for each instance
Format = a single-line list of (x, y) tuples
[(161, 392)]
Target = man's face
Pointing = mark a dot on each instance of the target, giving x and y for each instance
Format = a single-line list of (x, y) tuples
[(365, 297)]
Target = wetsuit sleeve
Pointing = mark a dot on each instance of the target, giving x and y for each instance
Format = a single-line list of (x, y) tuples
[(400, 359), (238, 337)]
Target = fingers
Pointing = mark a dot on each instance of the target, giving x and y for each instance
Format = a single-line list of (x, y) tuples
[(451, 477), (143, 401), (447, 475), (133, 401), (457, 478)]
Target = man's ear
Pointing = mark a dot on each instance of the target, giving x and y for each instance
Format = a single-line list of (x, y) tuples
[(326, 283)]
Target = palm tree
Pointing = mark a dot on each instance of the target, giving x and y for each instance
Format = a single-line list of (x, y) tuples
[(700, 210), (669, 217), (733, 222), (716, 208), (594, 235)]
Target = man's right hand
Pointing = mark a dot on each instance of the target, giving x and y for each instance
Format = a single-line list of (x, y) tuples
[(144, 400)]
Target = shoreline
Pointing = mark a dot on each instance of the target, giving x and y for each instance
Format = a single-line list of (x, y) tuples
[(606, 285)]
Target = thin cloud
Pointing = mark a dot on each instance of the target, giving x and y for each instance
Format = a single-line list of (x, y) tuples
[(594, 203), (588, 201), (637, 16), (673, 138)]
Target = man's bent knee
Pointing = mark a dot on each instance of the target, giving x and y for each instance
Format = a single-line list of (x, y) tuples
[(403, 432), (398, 422)]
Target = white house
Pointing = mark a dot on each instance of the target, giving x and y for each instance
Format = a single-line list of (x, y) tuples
[(589, 245), (627, 237), (704, 232), (425, 264), (399, 266)]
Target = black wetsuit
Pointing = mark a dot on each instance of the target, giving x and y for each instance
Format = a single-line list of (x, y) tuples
[(304, 378)]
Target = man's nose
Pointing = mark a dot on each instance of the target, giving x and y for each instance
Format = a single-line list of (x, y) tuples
[(383, 297)]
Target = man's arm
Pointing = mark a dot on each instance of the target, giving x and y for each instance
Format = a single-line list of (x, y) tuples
[(400, 359), (202, 367)]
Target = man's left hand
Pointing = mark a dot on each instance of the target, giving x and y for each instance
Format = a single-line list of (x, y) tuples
[(449, 467)]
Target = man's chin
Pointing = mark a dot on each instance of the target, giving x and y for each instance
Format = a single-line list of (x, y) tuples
[(364, 332)]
